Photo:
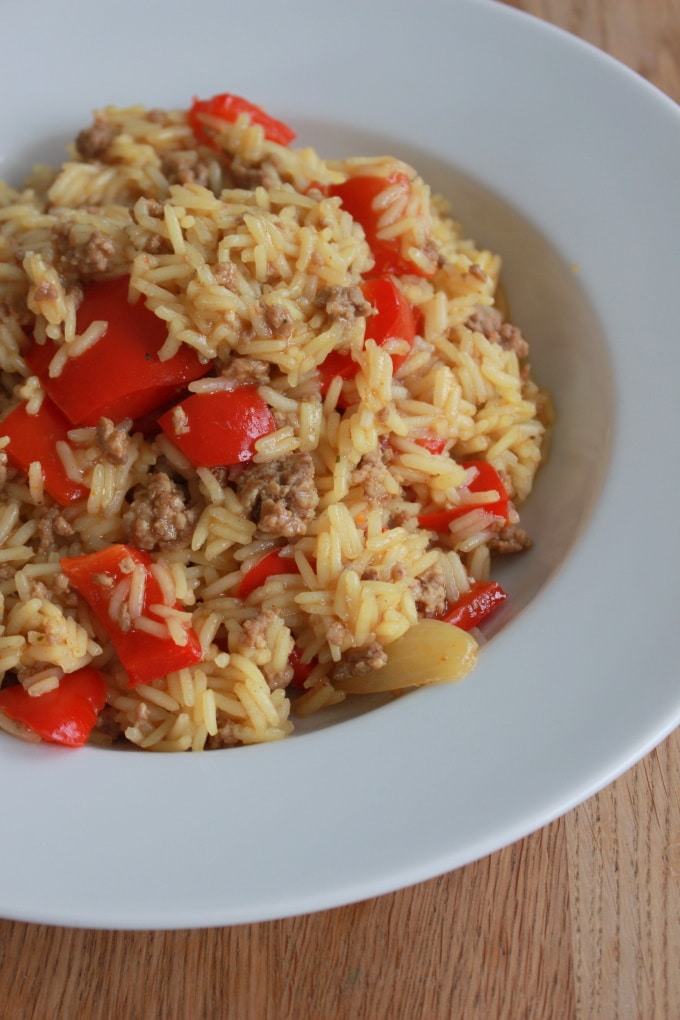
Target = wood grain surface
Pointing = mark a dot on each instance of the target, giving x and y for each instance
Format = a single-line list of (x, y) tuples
[(580, 921)]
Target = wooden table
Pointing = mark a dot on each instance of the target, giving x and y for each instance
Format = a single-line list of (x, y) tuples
[(580, 921)]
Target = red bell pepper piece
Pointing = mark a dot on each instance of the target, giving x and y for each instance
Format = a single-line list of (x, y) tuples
[(220, 428), (475, 605), (273, 562), (487, 479), (418, 319), (65, 715), (336, 364), (301, 670), (121, 375), (392, 319), (228, 107), (435, 444), (144, 656), (34, 437), (358, 195)]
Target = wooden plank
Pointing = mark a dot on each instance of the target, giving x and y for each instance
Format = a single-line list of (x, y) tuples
[(491, 940), (624, 883)]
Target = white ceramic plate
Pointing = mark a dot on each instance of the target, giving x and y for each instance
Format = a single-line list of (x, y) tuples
[(567, 164)]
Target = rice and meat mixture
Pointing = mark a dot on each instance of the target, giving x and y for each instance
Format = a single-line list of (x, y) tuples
[(264, 429)]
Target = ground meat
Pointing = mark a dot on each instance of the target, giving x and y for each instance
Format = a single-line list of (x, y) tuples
[(254, 635), (226, 275), (186, 168), (406, 516), (279, 320), (432, 254), (113, 440), (344, 303), (225, 736), (146, 239), (7, 570), (92, 142), (155, 244), (489, 321), (45, 291), (430, 592), (77, 259), (246, 371), (269, 320), (510, 539), (478, 273), (254, 631), (221, 474), (372, 473), (158, 517), (360, 660), (180, 421), (154, 208), (337, 633), (52, 526), (107, 726), (246, 177), (281, 496)]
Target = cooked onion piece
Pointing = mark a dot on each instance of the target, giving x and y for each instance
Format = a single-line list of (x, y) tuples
[(432, 652)]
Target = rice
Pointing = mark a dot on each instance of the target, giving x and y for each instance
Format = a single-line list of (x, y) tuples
[(246, 256)]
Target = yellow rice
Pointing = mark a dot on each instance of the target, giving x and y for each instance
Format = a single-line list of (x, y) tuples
[(212, 260)]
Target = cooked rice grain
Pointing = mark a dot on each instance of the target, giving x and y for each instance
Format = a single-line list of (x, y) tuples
[(245, 259)]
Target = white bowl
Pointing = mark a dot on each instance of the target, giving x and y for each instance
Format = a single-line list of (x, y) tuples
[(567, 164)]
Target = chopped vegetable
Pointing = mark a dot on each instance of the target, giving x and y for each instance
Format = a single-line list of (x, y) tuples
[(220, 428), (301, 670), (101, 578), (336, 364), (475, 605), (435, 444), (429, 653), (392, 320), (120, 375), (34, 437), (64, 715), (228, 107), (486, 480), (273, 562), (358, 196)]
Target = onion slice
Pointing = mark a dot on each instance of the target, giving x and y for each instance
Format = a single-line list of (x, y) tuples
[(431, 652)]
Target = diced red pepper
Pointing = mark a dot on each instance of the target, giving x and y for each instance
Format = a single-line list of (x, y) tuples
[(336, 364), (301, 670), (228, 107), (65, 715), (392, 320), (273, 562), (358, 195), (486, 479), (475, 605), (34, 437), (144, 656), (220, 428), (435, 444), (418, 319), (119, 376)]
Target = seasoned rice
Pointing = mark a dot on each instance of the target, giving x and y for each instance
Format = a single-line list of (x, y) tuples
[(239, 248)]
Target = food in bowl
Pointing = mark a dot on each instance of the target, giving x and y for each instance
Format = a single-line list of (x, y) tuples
[(265, 426)]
